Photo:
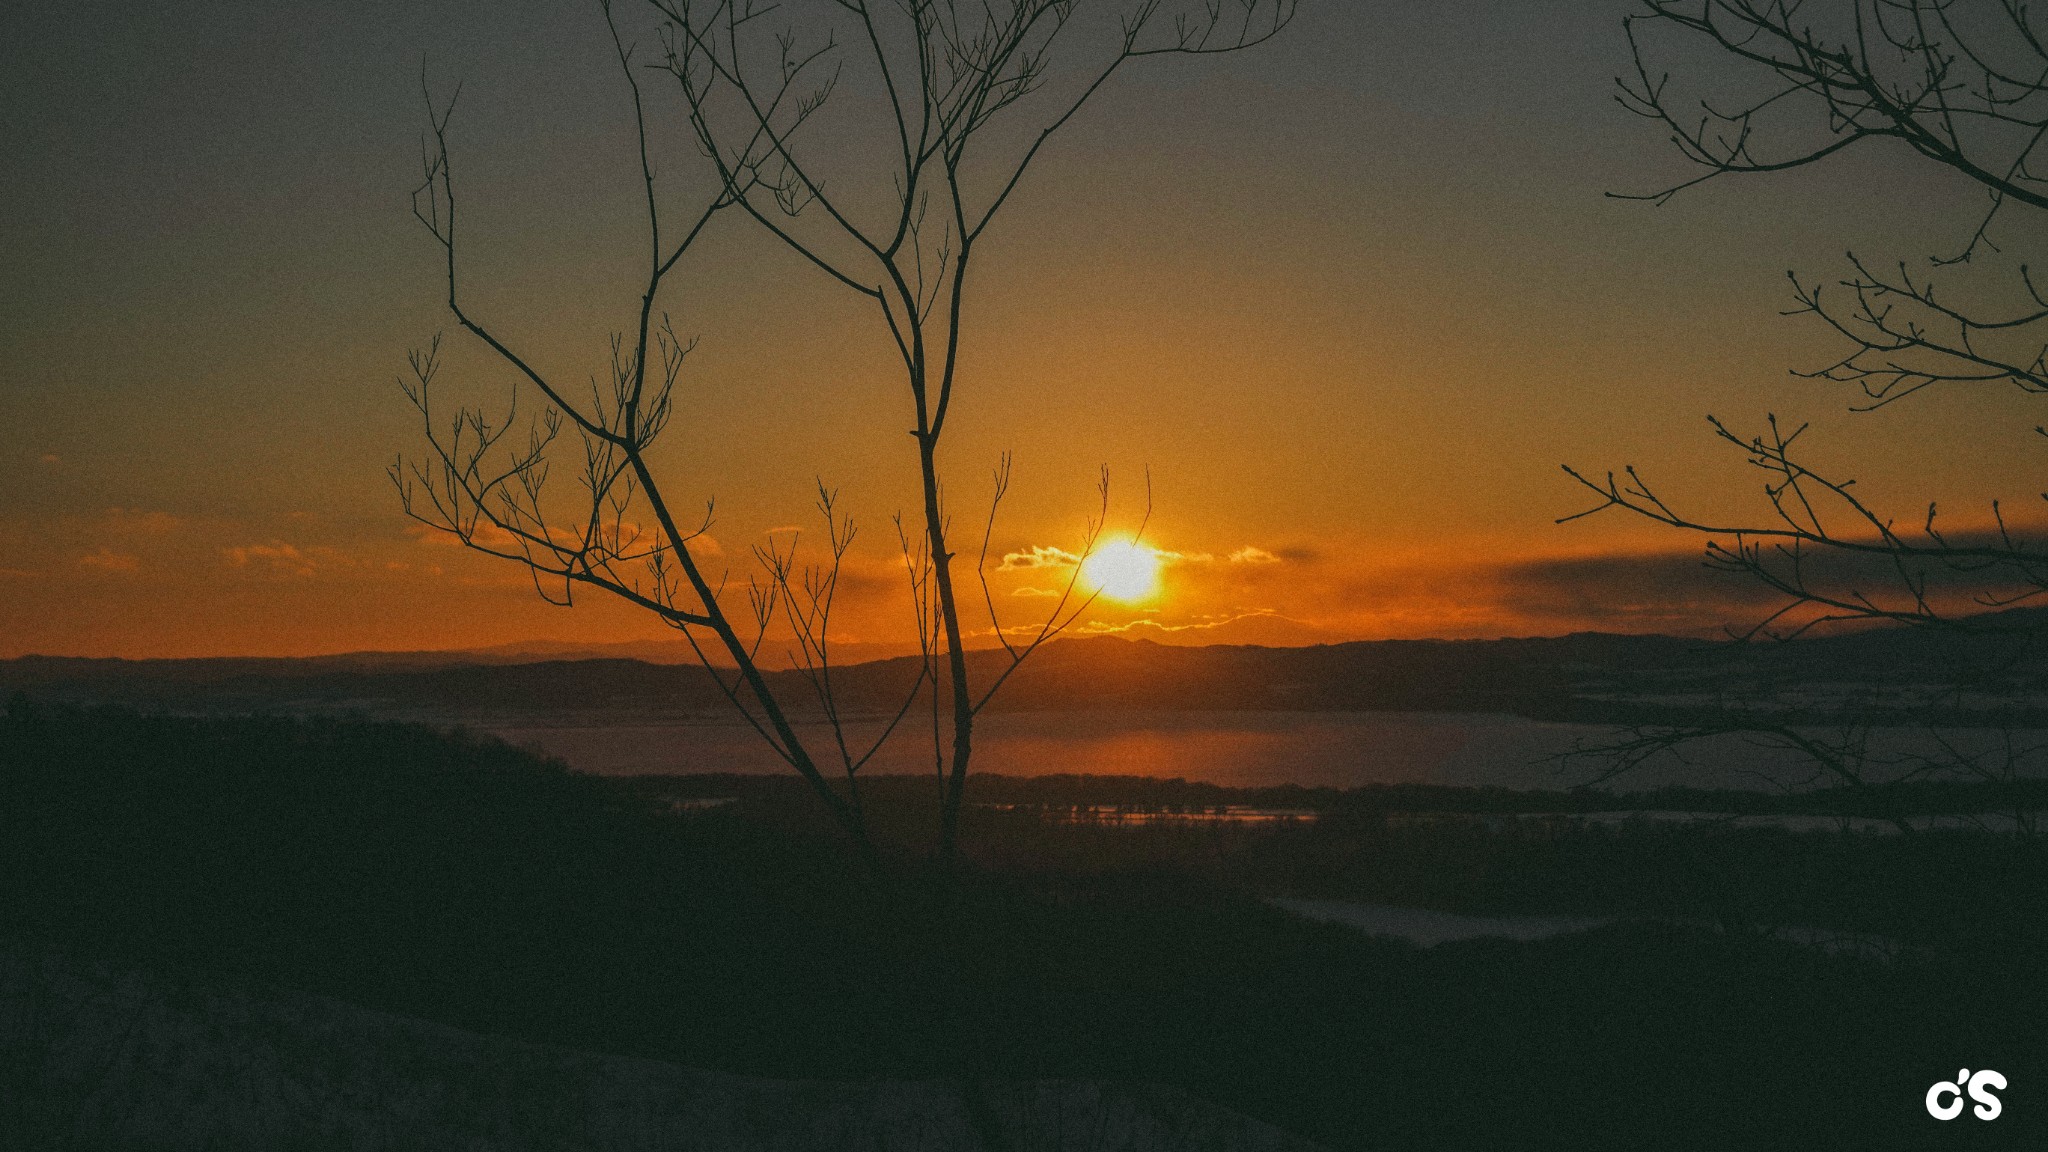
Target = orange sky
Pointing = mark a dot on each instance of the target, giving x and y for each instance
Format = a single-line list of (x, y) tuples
[(1351, 319)]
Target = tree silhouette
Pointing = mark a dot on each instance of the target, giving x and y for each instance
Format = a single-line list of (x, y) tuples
[(1960, 84), (968, 94)]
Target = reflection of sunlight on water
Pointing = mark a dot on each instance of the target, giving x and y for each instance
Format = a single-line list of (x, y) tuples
[(1245, 749), (1239, 749), (1144, 752)]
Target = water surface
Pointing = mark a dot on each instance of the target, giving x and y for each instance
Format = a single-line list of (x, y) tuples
[(1246, 749)]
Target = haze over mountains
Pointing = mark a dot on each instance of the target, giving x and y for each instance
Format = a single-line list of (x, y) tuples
[(1584, 676)]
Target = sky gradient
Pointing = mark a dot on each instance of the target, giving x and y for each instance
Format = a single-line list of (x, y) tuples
[(1351, 297)]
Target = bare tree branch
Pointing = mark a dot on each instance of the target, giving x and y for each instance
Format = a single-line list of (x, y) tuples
[(945, 79)]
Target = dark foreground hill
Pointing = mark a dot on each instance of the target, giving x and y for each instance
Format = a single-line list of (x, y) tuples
[(459, 881), (111, 1056)]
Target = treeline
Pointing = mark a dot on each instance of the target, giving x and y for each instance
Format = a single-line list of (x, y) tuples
[(385, 862)]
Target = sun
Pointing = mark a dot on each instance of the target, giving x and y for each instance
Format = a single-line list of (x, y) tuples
[(1122, 570)]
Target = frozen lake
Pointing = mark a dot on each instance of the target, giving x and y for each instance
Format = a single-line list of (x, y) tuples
[(1426, 928)]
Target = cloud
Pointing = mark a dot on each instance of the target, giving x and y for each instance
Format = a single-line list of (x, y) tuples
[(277, 556), (1458, 592), (108, 560), (1654, 583), (1195, 624), (484, 532), (1298, 593), (241, 555), (1037, 556), (1045, 556), (1659, 589)]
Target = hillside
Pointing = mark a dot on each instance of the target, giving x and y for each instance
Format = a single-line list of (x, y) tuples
[(1584, 676), (108, 1055)]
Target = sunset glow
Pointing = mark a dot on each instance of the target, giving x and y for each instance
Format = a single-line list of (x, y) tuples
[(1313, 380), (1122, 570)]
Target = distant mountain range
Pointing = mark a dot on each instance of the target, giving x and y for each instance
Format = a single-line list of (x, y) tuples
[(1584, 676)]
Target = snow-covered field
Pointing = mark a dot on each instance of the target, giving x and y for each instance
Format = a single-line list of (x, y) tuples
[(93, 1056)]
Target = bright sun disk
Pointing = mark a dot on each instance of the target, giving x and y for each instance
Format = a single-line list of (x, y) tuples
[(1121, 570)]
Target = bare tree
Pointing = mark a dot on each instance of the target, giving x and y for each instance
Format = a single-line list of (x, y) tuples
[(968, 95), (1961, 84), (1775, 85)]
